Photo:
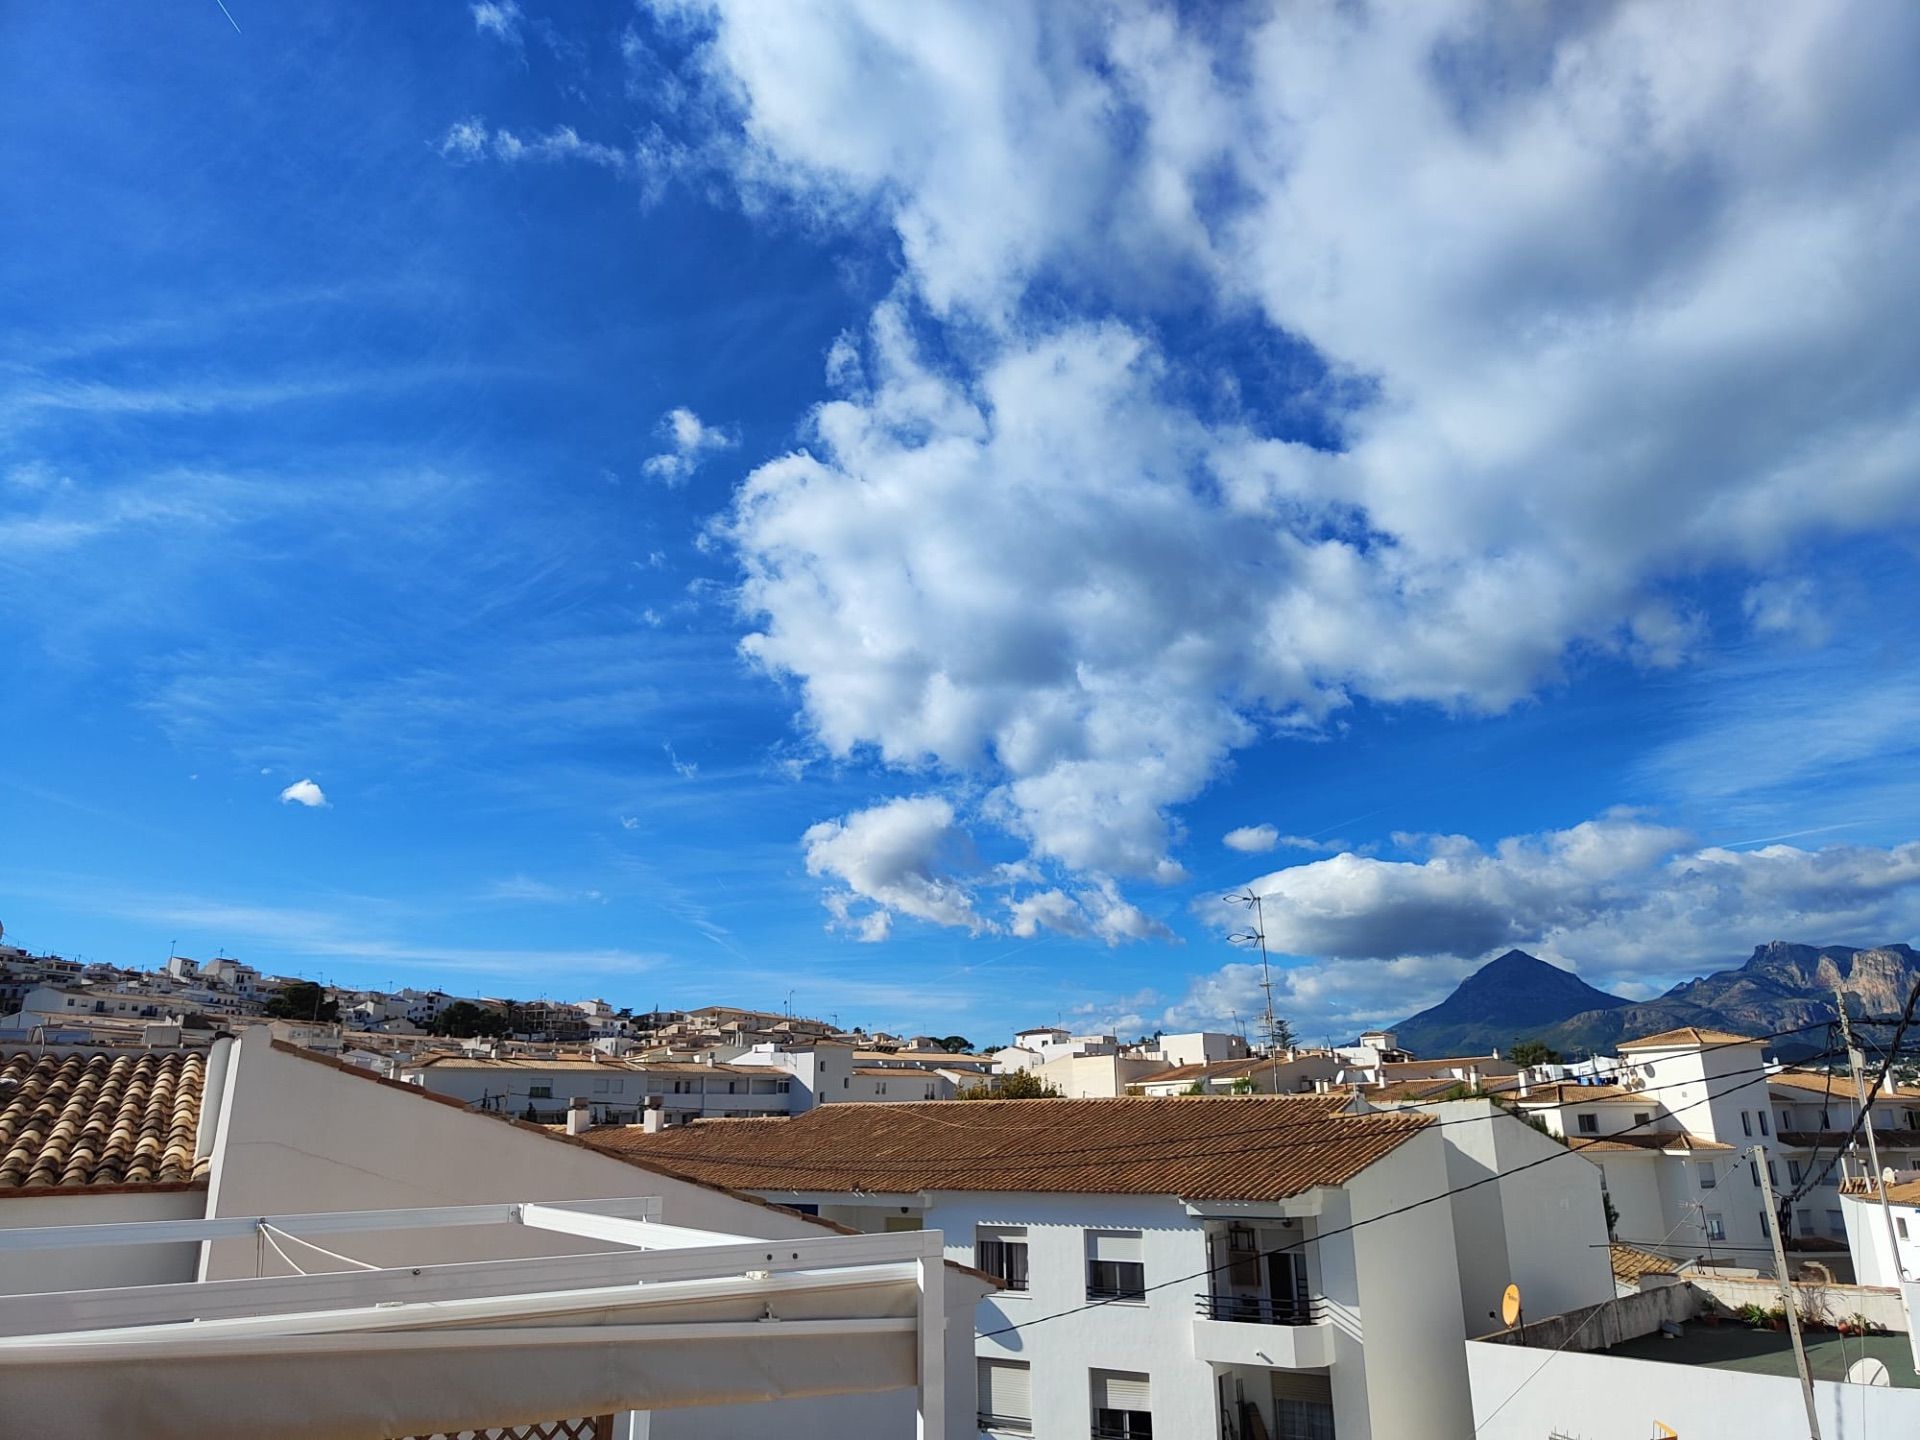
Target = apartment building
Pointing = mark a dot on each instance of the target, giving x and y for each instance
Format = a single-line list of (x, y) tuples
[(1202, 1267), (1673, 1129), (616, 1091)]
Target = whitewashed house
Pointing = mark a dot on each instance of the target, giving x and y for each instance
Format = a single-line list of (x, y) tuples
[(1190, 1268), (259, 1128)]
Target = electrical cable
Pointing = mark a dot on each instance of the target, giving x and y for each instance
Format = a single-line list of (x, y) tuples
[(1159, 1145), (1574, 1334), (1865, 1112), (1571, 1148)]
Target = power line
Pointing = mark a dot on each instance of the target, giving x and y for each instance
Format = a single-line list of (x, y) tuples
[(1399, 1210), (1599, 1309), (1059, 1158)]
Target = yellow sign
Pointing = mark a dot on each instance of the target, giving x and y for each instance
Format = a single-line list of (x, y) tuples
[(1510, 1304)]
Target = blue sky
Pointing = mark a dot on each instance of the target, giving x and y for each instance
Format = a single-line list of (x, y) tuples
[(724, 503)]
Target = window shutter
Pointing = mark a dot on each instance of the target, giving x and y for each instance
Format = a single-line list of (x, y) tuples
[(1121, 1245), (1297, 1385), (1121, 1390), (1006, 1389)]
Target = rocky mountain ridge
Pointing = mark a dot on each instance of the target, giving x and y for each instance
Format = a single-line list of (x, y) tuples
[(1780, 987)]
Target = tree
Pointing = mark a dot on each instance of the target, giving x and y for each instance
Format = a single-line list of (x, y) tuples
[(463, 1020), (1020, 1085), (954, 1044), (302, 1000), (1526, 1053)]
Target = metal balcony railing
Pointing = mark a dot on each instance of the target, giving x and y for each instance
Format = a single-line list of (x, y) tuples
[(1005, 1424), (1259, 1310)]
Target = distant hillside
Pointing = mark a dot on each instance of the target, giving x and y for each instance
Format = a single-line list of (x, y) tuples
[(1512, 998), (1781, 986)]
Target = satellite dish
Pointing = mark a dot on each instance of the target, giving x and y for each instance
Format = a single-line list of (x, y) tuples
[(1868, 1371), (1510, 1305)]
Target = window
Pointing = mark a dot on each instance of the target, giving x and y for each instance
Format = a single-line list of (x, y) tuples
[(1114, 1267), (1826, 1120), (1642, 1117), (1793, 1171), (599, 1087), (1122, 1406), (1716, 1226), (1900, 1224), (1773, 1173), (1761, 1116), (1836, 1223), (1803, 1222), (1006, 1396), (1001, 1251), (1786, 1121), (1764, 1230), (1589, 1124), (1753, 1169), (1707, 1177), (540, 1092), (1746, 1123)]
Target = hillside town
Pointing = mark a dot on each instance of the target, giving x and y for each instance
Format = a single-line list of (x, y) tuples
[(960, 720), (1185, 1231)]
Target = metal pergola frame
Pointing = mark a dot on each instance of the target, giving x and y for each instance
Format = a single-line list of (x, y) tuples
[(443, 1304)]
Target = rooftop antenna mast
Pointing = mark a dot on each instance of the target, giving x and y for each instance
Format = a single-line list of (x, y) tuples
[(1257, 935)]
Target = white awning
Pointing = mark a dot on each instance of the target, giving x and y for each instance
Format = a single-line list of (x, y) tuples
[(444, 1348)]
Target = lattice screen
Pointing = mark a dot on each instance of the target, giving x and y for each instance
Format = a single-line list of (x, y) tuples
[(588, 1427)]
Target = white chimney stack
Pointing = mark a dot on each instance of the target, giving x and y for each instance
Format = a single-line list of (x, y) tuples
[(653, 1118), (579, 1117)]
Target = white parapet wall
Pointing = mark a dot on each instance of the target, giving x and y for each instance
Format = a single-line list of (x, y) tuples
[(1523, 1393)]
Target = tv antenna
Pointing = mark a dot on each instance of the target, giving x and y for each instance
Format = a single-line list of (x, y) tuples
[(1257, 935)]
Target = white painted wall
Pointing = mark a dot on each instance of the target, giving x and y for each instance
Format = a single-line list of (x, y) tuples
[(1873, 1254), (36, 1272), (1543, 1226), (1405, 1269), (1601, 1397), (297, 1135)]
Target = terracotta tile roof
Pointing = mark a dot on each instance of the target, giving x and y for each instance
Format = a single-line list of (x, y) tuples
[(1565, 1092), (1901, 1192), (83, 1119), (1630, 1262), (1816, 1083), (1648, 1141), (1388, 1067), (1402, 1092), (1213, 1147), (1685, 1036), (1828, 1139)]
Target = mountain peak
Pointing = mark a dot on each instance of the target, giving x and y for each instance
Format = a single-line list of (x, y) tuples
[(1505, 1000)]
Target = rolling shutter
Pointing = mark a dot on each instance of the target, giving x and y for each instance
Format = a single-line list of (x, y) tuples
[(1121, 1245), (1121, 1390), (1006, 1389)]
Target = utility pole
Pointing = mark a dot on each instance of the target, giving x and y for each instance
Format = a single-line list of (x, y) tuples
[(1857, 1062), (1759, 1154)]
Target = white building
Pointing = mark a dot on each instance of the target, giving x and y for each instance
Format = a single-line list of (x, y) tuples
[(828, 1074), (258, 1128), (616, 1090), (1674, 1130), (1177, 1267)]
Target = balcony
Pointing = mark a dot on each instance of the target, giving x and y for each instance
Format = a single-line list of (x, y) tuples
[(1287, 1334), (1260, 1310)]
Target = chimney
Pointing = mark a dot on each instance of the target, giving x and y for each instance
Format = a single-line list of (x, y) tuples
[(579, 1117), (653, 1119)]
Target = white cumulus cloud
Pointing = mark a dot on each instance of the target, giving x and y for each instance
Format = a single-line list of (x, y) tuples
[(304, 792), (1589, 306), (692, 440)]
